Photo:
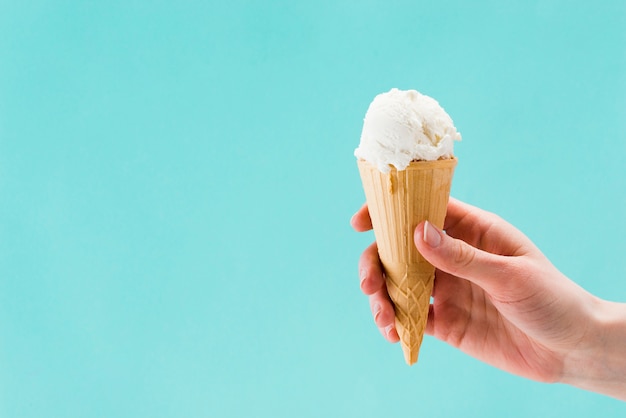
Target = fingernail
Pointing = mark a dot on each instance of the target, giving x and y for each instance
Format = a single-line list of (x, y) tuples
[(388, 330), (431, 235), (362, 277), (377, 309)]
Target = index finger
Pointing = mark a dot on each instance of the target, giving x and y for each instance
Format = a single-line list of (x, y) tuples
[(361, 221)]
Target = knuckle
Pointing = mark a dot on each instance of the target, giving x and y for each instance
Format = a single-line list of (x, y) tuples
[(463, 255)]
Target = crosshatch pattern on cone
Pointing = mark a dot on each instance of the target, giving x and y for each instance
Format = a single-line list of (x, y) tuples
[(398, 201)]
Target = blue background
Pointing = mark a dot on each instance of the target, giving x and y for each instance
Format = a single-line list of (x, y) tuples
[(176, 181)]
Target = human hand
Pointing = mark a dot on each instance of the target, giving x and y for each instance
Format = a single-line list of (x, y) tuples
[(496, 297)]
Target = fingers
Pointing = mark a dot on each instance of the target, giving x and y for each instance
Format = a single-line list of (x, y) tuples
[(371, 271), (430, 323), (449, 293), (456, 257), (361, 221), (384, 315), (456, 211), (485, 230), (373, 284)]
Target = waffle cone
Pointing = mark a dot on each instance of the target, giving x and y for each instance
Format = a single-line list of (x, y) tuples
[(398, 201)]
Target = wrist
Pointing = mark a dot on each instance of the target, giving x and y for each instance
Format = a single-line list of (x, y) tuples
[(598, 363)]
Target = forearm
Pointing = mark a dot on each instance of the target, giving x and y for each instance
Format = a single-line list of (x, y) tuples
[(600, 364)]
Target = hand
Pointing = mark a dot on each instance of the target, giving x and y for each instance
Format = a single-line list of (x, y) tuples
[(496, 296)]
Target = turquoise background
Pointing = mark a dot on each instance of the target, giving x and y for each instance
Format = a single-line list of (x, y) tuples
[(176, 181)]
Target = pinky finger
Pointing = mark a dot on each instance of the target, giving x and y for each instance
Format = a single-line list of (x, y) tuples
[(390, 333)]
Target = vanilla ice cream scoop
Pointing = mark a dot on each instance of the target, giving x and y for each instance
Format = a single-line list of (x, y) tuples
[(404, 126)]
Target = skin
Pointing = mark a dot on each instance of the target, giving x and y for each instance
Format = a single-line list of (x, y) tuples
[(499, 299)]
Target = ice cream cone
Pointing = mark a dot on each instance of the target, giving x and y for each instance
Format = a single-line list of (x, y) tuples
[(398, 201)]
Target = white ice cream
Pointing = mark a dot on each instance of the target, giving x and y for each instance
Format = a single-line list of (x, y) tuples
[(403, 126)]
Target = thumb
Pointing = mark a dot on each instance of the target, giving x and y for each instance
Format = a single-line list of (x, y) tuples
[(457, 257)]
